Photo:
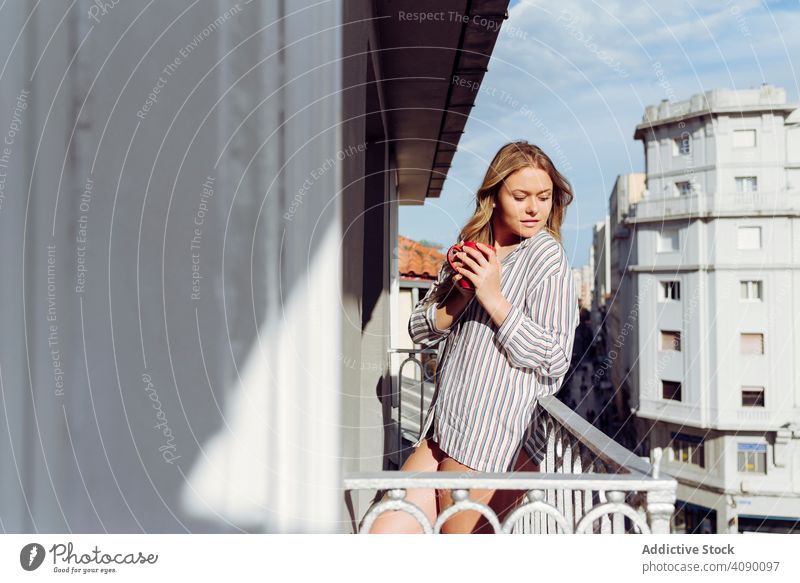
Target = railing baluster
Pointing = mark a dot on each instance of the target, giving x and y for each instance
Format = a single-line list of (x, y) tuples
[(566, 465), (398, 402), (605, 524), (552, 436), (618, 523), (577, 468), (588, 499), (560, 452)]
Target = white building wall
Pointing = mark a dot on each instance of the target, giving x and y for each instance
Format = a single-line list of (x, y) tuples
[(231, 368)]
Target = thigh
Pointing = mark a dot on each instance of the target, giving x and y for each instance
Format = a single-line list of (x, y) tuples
[(505, 501), (424, 458), (466, 521)]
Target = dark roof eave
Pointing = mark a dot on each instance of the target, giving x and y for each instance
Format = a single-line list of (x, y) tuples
[(424, 143), (441, 170)]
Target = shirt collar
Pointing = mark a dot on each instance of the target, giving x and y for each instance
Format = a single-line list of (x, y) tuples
[(512, 257), (526, 242)]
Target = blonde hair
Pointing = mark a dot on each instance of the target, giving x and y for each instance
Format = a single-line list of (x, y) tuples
[(508, 159)]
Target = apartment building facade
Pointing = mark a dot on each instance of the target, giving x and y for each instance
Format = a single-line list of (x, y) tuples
[(709, 261)]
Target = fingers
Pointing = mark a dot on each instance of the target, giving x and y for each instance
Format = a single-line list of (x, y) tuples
[(474, 252), (467, 260), (485, 248), (464, 290), (488, 251), (466, 274), (470, 253)]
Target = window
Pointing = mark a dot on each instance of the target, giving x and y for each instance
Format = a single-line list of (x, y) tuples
[(683, 188), (671, 390), (752, 396), (749, 237), (744, 138), (689, 449), (746, 184), (668, 241), (694, 519), (670, 340), (751, 290), (670, 290), (752, 343), (752, 457), (681, 145)]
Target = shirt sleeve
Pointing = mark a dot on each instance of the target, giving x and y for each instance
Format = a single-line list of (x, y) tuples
[(422, 324), (543, 340)]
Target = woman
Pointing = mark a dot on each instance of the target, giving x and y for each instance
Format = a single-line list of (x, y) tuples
[(508, 341)]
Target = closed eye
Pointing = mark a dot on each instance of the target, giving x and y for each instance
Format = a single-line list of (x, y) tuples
[(547, 196)]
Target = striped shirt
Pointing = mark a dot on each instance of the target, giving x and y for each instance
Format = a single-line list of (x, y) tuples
[(488, 377)]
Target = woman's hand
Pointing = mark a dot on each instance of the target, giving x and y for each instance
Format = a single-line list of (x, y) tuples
[(483, 270), (464, 291)]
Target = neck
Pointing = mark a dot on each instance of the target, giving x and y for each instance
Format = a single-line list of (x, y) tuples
[(503, 238)]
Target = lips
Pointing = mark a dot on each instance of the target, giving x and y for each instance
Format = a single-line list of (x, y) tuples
[(531, 222)]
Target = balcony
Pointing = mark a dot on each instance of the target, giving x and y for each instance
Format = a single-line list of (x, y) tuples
[(666, 207), (766, 203), (720, 204), (587, 483)]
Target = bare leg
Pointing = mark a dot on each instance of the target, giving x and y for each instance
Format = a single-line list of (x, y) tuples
[(465, 521), (424, 458), (504, 502)]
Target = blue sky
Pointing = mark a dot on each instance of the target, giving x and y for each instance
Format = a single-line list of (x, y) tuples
[(574, 77)]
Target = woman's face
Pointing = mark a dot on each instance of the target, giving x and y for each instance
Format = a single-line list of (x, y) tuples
[(524, 202)]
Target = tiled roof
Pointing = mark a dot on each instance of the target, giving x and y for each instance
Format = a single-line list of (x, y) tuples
[(418, 261)]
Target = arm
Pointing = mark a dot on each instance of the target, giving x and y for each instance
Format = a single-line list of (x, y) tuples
[(428, 325), (543, 341)]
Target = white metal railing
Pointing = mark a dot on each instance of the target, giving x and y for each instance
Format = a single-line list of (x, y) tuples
[(407, 422), (587, 483), (765, 202), (667, 206)]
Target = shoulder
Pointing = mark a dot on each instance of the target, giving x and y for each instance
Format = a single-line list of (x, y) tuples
[(546, 258)]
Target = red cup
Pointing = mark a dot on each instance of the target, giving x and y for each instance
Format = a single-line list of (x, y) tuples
[(463, 282)]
